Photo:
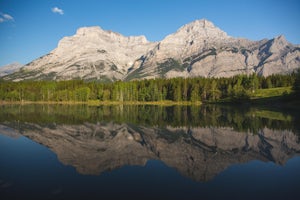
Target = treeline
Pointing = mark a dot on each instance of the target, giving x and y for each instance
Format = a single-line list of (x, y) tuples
[(176, 89)]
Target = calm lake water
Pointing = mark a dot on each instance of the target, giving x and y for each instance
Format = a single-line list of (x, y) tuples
[(148, 152)]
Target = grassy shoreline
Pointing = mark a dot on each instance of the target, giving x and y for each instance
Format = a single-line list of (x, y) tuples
[(98, 103), (281, 97)]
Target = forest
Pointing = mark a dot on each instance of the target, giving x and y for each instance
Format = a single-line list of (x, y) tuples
[(240, 87)]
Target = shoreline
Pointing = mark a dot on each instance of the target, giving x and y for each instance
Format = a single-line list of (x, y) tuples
[(100, 103)]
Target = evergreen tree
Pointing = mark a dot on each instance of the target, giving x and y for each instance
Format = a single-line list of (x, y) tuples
[(195, 93), (296, 85)]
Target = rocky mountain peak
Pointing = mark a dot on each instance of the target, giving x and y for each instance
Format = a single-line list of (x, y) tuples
[(197, 24), (82, 31), (281, 38), (96, 37), (202, 28), (278, 44), (280, 41), (96, 31), (192, 38)]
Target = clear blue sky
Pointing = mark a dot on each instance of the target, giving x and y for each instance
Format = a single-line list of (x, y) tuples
[(32, 28)]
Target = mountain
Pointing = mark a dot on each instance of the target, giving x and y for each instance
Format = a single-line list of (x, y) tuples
[(10, 68), (196, 49), (91, 53), (201, 49)]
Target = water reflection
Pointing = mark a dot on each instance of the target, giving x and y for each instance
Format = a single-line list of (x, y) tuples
[(199, 142)]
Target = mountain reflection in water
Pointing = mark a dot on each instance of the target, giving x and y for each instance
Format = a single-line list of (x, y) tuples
[(198, 150), (198, 142)]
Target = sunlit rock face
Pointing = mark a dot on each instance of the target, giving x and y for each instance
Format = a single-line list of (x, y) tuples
[(196, 49), (199, 152)]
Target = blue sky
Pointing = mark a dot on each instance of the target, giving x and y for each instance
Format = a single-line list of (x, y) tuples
[(32, 28)]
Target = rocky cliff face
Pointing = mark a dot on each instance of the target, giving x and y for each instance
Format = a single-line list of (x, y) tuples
[(196, 49), (198, 153)]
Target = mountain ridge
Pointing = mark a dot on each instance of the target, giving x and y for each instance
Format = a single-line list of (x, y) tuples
[(195, 49)]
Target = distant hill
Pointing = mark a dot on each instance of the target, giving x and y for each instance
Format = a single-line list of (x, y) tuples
[(10, 68)]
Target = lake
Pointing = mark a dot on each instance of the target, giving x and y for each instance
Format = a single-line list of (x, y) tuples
[(148, 152)]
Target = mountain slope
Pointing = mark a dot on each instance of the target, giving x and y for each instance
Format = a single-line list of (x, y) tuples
[(196, 49)]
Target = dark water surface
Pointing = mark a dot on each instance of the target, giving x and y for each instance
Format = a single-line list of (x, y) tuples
[(148, 152)]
